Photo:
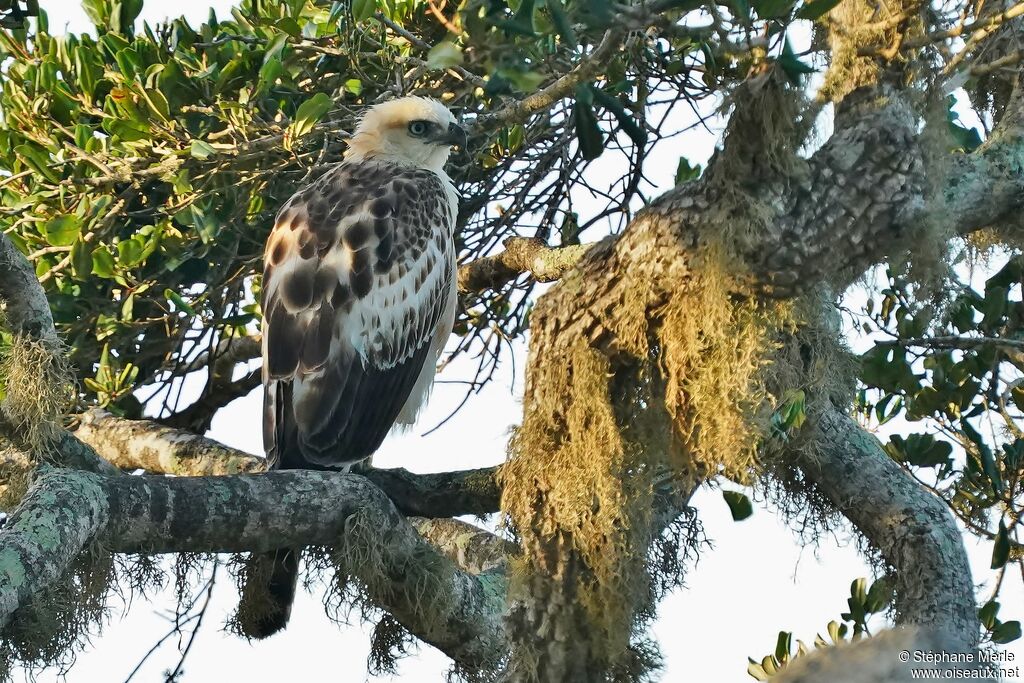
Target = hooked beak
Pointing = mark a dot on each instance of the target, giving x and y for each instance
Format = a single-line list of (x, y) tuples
[(455, 136)]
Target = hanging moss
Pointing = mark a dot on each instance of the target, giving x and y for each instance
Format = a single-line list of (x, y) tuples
[(688, 398), (36, 388), (55, 625)]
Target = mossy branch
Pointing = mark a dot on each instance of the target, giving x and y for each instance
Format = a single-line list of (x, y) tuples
[(65, 511), (157, 449), (914, 530), (26, 310)]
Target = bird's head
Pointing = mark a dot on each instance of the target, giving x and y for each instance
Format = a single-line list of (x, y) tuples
[(412, 130)]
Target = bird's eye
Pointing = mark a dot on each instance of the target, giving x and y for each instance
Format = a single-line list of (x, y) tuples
[(418, 128)]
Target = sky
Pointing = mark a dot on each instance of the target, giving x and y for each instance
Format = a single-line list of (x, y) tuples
[(757, 578)]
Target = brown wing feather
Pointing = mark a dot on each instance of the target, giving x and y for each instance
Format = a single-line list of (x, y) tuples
[(356, 275)]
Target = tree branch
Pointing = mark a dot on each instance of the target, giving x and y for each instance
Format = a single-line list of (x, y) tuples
[(198, 416), (521, 255), (874, 660), (473, 549), (146, 445), (587, 68), (65, 511), (913, 529), (156, 448), (26, 309)]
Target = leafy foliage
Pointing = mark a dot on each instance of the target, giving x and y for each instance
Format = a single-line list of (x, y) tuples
[(863, 603), (145, 164), (955, 366)]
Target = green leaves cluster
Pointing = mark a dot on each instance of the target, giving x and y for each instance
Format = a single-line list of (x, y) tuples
[(863, 602), (955, 367), (144, 165)]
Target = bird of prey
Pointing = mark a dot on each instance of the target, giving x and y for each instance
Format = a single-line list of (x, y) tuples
[(359, 293)]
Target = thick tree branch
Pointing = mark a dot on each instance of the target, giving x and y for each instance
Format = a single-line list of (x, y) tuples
[(473, 549), (912, 529), (26, 309), (874, 660), (150, 446), (65, 511), (441, 494), (147, 445)]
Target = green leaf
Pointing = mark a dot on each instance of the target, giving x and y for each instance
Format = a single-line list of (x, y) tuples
[(988, 463), (964, 138), (179, 302), (1006, 632), (354, 86), (521, 23), (626, 120), (588, 132), (816, 8), (89, 69), (879, 595), (127, 131), (773, 9), (130, 252), (563, 25), (742, 8), (444, 55), (363, 9), (103, 263), (62, 231), (922, 450), (202, 150), (37, 160), (756, 671), (739, 505), (685, 172), (1001, 547), (309, 114), (792, 66), (783, 645), (987, 614), (81, 259)]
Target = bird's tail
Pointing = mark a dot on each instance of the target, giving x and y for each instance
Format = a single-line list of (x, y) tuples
[(267, 593)]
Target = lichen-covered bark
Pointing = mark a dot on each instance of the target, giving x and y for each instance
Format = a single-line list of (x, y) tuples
[(61, 514), (65, 511), (470, 547), (27, 310), (151, 446), (796, 225), (913, 529), (877, 660), (521, 255)]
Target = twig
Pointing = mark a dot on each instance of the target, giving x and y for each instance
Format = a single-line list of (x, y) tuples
[(521, 255), (173, 675), (587, 68)]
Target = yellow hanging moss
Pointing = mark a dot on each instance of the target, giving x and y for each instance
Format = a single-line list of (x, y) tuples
[(687, 397), (37, 388), (568, 481), (714, 346)]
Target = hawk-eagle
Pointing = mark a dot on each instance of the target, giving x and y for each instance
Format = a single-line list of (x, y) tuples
[(358, 301)]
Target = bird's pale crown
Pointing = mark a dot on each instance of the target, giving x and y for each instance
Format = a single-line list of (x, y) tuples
[(416, 131)]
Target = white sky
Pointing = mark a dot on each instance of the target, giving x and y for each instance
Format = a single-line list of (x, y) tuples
[(756, 581)]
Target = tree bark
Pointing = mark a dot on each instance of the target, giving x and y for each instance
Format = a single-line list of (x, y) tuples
[(914, 530), (66, 511)]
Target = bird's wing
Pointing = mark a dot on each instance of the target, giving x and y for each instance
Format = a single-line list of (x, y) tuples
[(357, 274)]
